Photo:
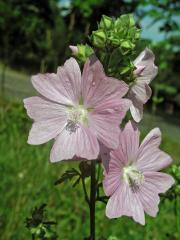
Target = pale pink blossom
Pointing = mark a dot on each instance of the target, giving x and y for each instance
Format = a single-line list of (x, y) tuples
[(133, 180), (140, 91), (79, 112)]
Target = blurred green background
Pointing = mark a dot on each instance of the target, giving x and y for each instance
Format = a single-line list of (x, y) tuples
[(34, 37)]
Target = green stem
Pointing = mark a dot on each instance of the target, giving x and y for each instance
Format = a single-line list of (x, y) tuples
[(92, 200), (85, 191)]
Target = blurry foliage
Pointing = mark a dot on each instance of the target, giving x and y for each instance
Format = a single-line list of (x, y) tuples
[(166, 85), (165, 11), (30, 34), (174, 192), (86, 7)]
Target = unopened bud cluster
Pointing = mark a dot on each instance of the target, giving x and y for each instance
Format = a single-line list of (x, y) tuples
[(114, 42)]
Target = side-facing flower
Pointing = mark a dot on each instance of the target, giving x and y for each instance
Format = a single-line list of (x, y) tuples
[(77, 111), (133, 180), (140, 91)]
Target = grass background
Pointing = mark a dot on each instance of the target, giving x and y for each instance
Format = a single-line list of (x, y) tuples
[(27, 180)]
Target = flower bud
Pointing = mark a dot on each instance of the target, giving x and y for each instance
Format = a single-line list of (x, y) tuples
[(139, 69), (106, 23), (74, 50), (99, 38), (81, 52)]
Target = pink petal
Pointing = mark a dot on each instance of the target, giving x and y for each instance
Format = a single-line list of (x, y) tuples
[(109, 94), (70, 75), (112, 177), (153, 160), (129, 142), (105, 156), (138, 71), (125, 202), (136, 110), (149, 200), (118, 157), (50, 86), (45, 130), (150, 158), (159, 182), (105, 126), (60, 87), (150, 143), (99, 90), (111, 182), (40, 109), (81, 143), (50, 118), (119, 107), (146, 59), (105, 123), (140, 91)]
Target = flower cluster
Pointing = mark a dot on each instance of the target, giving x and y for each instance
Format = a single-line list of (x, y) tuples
[(83, 113)]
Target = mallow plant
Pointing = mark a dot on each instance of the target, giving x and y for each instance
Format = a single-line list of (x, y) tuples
[(83, 108)]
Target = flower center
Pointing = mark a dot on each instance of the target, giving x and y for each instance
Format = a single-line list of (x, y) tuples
[(76, 115), (133, 177)]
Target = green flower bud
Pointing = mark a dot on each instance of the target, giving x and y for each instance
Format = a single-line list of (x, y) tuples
[(113, 41), (131, 20), (82, 52), (99, 38), (127, 44), (106, 23)]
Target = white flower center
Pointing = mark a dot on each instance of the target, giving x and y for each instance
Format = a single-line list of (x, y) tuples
[(76, 115), (133, 177)]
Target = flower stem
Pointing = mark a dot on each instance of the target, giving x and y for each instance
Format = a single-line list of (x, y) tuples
[(92, 200), (85, 191)]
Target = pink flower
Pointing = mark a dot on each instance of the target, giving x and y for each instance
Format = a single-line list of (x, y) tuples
[(140, 91), (133, 180), (78, 112)]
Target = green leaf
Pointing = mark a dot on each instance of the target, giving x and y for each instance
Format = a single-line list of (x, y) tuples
[(68, 175), (76, 182)]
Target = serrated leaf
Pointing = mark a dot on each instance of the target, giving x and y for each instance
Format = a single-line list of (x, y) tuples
[(68, 175), (76, 182)]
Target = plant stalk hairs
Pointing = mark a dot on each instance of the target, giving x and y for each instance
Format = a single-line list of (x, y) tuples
[(83, 111)]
